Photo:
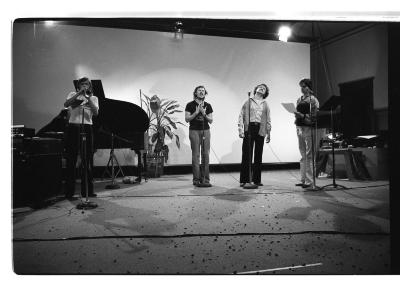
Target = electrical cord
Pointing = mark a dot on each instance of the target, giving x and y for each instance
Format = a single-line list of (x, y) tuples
[(189, 235)]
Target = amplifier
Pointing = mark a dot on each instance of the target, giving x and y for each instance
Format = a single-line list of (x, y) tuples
[(22, 131), (38, 145)]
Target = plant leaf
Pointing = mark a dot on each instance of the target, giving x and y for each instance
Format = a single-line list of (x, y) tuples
[(173, 106), (154, 137), (170, 121), (169, 133), (178, 122), (177, 140)]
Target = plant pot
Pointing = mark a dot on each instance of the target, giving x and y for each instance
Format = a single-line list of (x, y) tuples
[(155, 166)]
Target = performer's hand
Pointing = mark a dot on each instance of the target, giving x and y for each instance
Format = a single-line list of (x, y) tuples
[(202, 110), (241, 135), (197, 110), (267, 138), (298, 114)]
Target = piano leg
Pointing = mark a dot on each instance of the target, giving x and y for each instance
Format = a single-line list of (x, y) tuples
[(145, 165), (140, 166)]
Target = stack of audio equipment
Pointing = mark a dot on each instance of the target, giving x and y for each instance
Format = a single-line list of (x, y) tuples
[(36, 166)]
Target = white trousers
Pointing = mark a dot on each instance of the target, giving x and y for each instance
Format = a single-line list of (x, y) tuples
[(304, 135)]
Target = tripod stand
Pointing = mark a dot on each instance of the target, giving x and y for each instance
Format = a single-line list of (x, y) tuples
[(84, 167), (332, 103), (111, 161), (203, 184), (249, 185)]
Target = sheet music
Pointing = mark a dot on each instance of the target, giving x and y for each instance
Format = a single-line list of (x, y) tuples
[(289, 107)]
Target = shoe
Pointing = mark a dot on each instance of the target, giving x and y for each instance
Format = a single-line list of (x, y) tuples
[(242, 185), (299, 185), (92, 195), (195, 183), (259, 184), (306, 186)]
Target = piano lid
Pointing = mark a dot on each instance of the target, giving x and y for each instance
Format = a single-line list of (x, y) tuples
[(116, 116)]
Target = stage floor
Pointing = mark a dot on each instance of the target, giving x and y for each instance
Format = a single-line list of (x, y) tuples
[(168, 226)]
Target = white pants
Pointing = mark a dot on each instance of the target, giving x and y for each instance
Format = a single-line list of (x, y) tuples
[(304, 134)]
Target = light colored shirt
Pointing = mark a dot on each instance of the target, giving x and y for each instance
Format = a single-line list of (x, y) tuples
[(256, 109), (76, 113), (259, 112)]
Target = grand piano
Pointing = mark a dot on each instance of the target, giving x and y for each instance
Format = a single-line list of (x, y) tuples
[(120, 124)]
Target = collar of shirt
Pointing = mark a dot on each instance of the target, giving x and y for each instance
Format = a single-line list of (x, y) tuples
[(258, 101)]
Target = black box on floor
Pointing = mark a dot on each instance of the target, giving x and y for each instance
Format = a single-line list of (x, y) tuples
[(36, 175)]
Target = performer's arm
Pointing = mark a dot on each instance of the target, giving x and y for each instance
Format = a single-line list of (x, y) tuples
[(209, 117), (189, 117), (241, 123), (268, 136), (72, 100), (93, 103)]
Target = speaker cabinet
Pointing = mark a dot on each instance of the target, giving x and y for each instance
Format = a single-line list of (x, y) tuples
[(35, 178)]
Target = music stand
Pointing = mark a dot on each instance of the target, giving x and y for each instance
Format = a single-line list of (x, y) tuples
[(333, 102)]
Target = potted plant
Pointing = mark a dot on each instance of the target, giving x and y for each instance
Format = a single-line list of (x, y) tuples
[(161, 124)]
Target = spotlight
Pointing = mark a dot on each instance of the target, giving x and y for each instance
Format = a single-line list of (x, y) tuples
[(49, 23), (178, 30), (284, 33)]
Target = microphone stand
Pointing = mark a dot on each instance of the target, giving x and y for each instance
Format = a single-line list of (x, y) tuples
[(313, 136), (249, 185), (84, 175), (203, 184)]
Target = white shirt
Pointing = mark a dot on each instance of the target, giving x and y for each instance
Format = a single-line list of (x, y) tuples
[(256, 109), (76, 113)]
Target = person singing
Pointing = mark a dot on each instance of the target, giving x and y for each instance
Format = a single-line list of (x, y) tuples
[(200, 114), (258, 128), (306, 110), (82, 105)]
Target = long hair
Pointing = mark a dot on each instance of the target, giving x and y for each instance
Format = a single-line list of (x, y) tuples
[(266, 90), (195, 91)]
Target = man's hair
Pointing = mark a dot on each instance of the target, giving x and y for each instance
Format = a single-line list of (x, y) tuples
[(195, 90), (266, 90)]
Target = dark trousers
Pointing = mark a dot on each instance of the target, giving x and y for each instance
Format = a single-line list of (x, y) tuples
[(74, 148), (256, 144)]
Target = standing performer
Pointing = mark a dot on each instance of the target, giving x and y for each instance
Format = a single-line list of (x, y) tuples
[(200, 114), (258, 128), (81, 102), (307, 107)]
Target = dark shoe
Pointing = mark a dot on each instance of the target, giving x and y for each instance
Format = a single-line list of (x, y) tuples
[(259, 184), (92, 195), (242, 185), (299, 184), (306, 186), (195, 183)]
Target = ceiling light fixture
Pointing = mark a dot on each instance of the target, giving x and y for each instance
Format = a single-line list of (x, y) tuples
[(284, 33)]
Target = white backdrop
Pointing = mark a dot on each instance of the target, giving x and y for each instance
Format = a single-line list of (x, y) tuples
[(47, 59)]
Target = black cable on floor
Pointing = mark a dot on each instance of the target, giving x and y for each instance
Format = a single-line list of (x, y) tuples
[(189, 235)]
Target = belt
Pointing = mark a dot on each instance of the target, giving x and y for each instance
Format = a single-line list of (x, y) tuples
[(255, 123)]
